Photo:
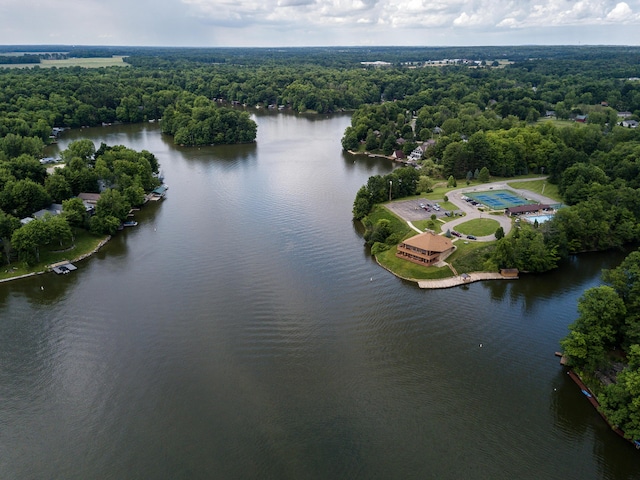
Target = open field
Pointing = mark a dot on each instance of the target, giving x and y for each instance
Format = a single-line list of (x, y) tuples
[(98, 62)]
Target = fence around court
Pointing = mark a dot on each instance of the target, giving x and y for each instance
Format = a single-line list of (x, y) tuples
[(498, 199)]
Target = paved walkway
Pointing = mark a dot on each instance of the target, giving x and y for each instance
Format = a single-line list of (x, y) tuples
[(462, 280)]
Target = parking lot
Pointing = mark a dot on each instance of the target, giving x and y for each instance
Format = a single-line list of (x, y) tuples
[(411, 210)]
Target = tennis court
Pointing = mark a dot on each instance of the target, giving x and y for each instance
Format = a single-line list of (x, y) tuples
[(498, 199)]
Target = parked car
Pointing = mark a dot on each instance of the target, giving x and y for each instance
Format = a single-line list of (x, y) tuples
[(457, 234), (471, 237)]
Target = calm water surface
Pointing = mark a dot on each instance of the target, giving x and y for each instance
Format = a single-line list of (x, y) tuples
[(241, 331)]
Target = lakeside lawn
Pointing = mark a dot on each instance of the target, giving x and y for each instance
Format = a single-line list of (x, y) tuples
[(398, 225), (470, 256), (83, 244), (408, 270)]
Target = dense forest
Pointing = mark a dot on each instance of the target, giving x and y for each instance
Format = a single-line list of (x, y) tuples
[(470, 112)]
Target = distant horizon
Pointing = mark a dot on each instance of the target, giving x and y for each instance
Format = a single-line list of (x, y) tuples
[(266, 47), (319, 23)]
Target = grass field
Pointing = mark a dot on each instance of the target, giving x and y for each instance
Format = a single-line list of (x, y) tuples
[(478, 227), (409, 270), (542, 187), (115, 61)]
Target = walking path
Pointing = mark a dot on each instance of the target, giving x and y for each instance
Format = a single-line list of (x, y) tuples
[(463, 279)]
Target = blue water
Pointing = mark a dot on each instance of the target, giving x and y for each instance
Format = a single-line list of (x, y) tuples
[(538, 218)]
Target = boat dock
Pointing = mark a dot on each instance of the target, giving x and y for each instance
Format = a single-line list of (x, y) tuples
[(62, 268)]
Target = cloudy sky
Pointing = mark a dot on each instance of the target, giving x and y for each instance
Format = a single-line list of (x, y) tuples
[(319, 22)]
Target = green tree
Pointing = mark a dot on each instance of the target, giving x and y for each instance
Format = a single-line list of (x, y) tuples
[(27, 197), (601, 312), (74, 211), (8, 225), (625, 280), (424, 184), (58, 187), (112, 204), (58, 228), (28, 239), (483, 176), (362, 204)]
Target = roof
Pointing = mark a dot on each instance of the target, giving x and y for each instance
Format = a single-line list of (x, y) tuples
[(89, 197), (528, 208), (430, 242), (53, 209), (160, 190)]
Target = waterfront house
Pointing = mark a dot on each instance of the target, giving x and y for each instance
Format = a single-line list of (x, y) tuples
[(425, 248), (629, 123)]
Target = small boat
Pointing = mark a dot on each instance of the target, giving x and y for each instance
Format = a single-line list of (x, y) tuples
[(130, 223), (586, 394)]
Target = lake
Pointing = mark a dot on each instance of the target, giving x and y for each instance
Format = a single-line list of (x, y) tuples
[(241, 330)]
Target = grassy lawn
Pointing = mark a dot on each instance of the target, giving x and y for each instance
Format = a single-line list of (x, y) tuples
[(430, 224), (470, 257), (84, 243), (411, 271), (559, 123), (74, 62), (478, 227), (380, 212), (542, 187)]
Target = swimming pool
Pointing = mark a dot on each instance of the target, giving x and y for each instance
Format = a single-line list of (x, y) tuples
[(538, 218)]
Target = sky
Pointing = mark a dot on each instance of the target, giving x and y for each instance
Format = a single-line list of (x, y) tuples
[(279, 23)]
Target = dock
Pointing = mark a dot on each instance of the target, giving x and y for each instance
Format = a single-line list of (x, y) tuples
[(463, 279), (62, 268)]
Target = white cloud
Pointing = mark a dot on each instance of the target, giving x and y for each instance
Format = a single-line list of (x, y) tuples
[(622, 13), (315, 22), (418, 13)]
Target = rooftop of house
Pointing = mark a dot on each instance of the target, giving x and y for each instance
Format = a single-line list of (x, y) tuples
[(430, 242)]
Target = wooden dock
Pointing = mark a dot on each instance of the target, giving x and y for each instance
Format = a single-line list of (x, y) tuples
[(463, 279)]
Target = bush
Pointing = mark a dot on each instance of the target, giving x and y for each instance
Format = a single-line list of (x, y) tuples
[(379, 248)]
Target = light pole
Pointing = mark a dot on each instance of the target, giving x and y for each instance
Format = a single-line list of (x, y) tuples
[(390, 184)]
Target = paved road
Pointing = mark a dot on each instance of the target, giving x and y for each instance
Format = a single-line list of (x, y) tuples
[(471, 212)]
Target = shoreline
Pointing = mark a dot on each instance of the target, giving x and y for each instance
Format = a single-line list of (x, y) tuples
[(48, 269), (450, 282), (593, 400)]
